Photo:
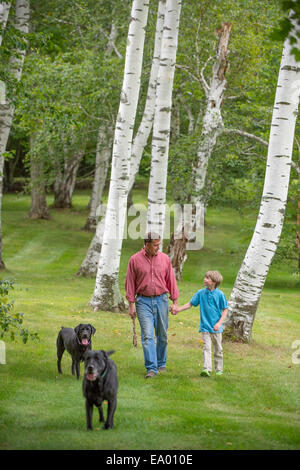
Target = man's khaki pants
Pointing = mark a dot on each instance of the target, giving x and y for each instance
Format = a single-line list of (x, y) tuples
[(216, 340)]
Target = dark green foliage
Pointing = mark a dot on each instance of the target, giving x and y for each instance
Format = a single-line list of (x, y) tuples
[(11, 323), (291, 9)]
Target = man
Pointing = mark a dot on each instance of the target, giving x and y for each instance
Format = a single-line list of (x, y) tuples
[(149, 279)]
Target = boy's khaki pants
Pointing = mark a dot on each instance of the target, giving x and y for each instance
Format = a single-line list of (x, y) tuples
[(216, 340)]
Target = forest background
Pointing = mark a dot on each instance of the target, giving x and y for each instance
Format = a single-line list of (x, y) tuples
[(66, 106)]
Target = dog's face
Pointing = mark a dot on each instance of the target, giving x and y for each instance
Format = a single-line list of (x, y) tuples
[(84, 333), (95, 363)]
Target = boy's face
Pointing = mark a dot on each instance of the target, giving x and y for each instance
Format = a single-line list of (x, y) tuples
[(209, 283)]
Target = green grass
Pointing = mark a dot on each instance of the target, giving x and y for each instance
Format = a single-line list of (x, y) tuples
[(254, 405)]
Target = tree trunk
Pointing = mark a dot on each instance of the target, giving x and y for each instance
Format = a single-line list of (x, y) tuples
[(39, 209), (162, 120), (103, 153), (245, 296), (21, 22), (212, 127), (4, 12), (146, 124), (65, 182), (177, 253), (90, 263), (106, 294), (298, 215)]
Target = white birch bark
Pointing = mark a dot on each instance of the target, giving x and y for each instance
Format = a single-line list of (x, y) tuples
[(212, 123), (90, 263), (103, 153), (146, 124), (184, 238), (4, 12), (106, 294), (245, 296), (21, 22), (162, 120)]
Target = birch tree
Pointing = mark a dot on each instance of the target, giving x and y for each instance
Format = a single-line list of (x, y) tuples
[(4, 12), (38, 208), (103, 153), (90, 263), (21, 23), (146, 124), (212, 127), (106, 294), (245, 296), (65, 180), (162, 119)]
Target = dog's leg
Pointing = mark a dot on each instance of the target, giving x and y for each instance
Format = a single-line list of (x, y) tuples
[(89, 415), (112, 405), (73, 367), (77, 364), (60, 350), (101, 415)]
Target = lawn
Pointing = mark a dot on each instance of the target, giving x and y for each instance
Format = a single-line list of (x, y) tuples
[(254, 405)]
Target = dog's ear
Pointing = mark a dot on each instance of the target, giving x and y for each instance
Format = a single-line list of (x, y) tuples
[(77, 328), (104, 355), (85, 354), (93, 329)]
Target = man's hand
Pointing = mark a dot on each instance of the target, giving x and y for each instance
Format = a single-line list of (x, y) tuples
[(217, 326), (132, 310), (174, 308)]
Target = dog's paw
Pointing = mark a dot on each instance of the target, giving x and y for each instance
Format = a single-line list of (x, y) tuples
[(108, 426)]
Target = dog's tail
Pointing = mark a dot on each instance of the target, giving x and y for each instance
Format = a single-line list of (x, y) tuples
[(110, 352)]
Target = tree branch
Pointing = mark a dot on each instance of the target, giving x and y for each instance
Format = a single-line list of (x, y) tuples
[(258, 139)]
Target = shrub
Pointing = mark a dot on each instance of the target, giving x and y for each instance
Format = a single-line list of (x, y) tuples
[(11, 323)]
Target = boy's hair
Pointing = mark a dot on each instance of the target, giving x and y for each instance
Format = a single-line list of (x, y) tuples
[(215, 276)]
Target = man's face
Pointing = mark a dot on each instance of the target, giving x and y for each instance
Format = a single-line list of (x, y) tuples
[(153, 247)]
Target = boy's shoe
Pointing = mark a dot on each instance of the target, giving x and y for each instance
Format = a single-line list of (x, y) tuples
[(219, 372), (162, 369), (205, 373)]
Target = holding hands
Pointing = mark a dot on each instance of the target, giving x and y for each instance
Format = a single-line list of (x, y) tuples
[(174, 309)]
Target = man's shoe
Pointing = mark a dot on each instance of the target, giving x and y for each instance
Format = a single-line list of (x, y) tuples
[(219, 372), (150, 374), (162, 369), (205, 373)]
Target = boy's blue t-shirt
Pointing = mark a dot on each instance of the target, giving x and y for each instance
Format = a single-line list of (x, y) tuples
[(212, 303)]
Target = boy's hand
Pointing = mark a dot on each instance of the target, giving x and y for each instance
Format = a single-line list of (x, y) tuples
[(217, 326)]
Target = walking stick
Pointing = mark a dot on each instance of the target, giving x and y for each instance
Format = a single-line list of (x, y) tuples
[(134, 339)]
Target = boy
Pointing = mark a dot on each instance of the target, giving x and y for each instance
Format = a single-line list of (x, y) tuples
[(213, 311)]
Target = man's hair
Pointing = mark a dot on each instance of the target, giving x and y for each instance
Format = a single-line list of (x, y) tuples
[(215, 276), (150, 236)]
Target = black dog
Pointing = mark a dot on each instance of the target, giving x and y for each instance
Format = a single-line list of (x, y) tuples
[(100, 383), (76, 342)]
